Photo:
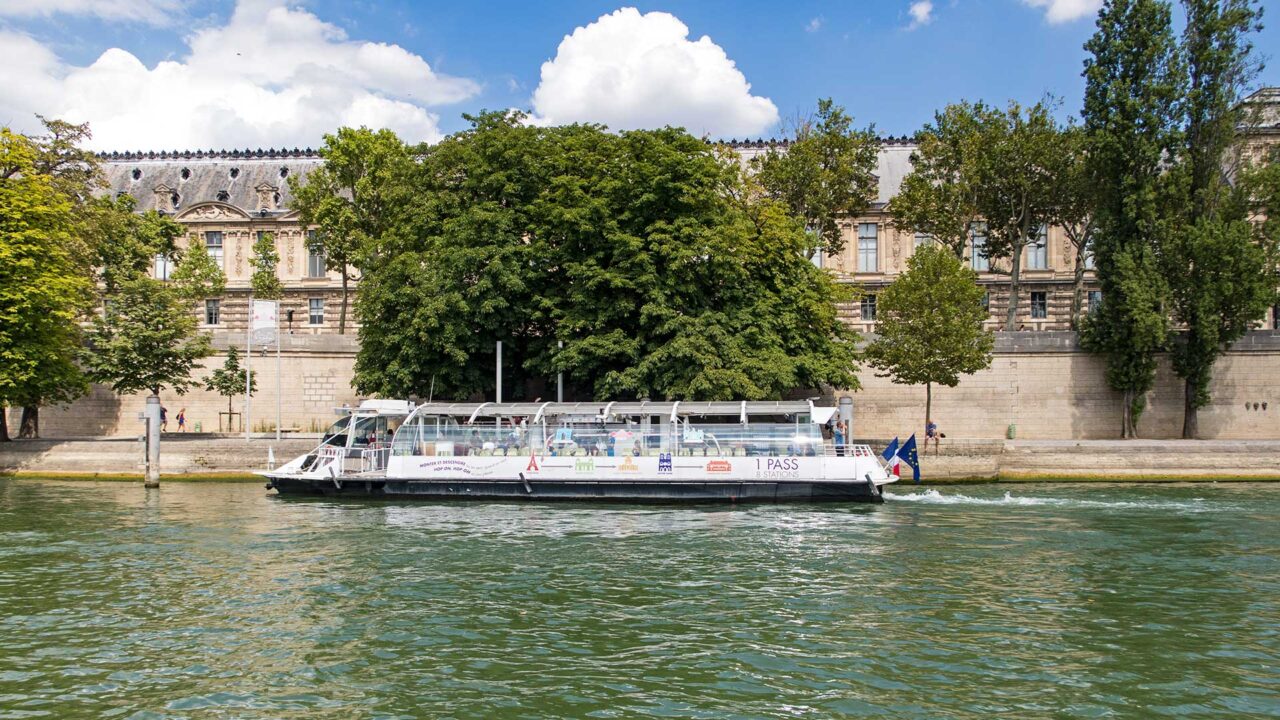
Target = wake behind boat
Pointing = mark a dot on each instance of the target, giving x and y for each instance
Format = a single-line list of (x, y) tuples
[(620, 451)]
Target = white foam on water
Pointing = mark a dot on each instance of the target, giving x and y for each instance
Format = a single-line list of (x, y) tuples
[(934, 497)]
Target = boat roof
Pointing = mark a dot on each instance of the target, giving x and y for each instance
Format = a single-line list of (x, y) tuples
[(606, 410)]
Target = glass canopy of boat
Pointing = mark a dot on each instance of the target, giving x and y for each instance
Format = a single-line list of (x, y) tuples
[(611, 411), (789, 428)]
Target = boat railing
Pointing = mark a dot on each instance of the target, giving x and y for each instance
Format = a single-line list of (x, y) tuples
[(726, 440), (344, 461)]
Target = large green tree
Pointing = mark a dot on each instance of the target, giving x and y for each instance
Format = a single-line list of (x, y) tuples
[(355, 200), (639, 252), (1073, 208), (1132, 97), (939, 197), (1221, 279), (1018, 164), (929, 324), (231, 379), (825, 175), (44, 285), (146, 337)]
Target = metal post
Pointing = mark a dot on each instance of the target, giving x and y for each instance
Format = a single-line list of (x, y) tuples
[(248, 376), (152, 479), (499, 397), (846, 414), (279, 390), (560, 378)]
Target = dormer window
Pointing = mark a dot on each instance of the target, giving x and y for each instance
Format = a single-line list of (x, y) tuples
[(223, 196), (136, 174), (185, 174), (235, 173)]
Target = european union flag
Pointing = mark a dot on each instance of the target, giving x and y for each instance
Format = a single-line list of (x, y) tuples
[(908, 454), (890, 451)]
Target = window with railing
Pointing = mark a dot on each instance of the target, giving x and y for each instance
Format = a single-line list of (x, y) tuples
[(213, 243), (978, 247), (868, 247), (315, 259), (868, 307), (1038, 251), (1039, 305)]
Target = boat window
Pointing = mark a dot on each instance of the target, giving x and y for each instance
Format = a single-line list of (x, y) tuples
[(366, 430), (337, 433)]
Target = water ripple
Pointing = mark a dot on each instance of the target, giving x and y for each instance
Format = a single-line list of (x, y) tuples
[(1044, 602)]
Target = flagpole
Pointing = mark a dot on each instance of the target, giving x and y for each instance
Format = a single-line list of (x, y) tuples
[(248, 374), (279, 338)]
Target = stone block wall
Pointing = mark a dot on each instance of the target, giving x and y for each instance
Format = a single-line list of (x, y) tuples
[(1040, 382)]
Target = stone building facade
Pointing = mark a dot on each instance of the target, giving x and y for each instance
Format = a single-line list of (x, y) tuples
[(227, 199)]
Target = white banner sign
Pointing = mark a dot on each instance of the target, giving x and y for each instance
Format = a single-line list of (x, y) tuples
[(265, 322)]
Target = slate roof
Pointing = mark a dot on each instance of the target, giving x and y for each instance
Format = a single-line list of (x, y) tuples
[(232, 177)]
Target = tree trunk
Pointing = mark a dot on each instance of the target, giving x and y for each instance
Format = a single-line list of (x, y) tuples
[(1015, 271), (1129, 428), (1077, 298), (30, 426), (1190, 414), (4, 424), (928, 404), (342, 314)]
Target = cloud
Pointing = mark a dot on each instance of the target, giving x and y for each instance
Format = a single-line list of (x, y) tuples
[(629, 71), (150, 12), (814, 25), (272, 76), (921, 13), (1060, 11)]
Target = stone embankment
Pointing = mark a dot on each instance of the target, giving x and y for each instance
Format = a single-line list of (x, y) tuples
[(213, 456), (190, 455)]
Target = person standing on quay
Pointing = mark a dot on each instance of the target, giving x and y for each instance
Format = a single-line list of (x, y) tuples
[(182, 420)]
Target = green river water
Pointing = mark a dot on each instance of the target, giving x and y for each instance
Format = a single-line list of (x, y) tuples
[(1039, 601)]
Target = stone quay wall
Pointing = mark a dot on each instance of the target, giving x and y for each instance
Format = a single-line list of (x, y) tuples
[(1041, 383)]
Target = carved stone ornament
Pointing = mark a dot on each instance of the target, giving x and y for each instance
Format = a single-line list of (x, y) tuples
[(267, 195), (241, 239), (212, 212), (290, 239)]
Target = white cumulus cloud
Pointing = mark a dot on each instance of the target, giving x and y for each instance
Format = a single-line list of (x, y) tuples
[(629, 70), (921, 13), (152, 12), (272, 76), (1060, 11)]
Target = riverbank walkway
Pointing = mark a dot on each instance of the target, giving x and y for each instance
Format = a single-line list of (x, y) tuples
[(210, 456)]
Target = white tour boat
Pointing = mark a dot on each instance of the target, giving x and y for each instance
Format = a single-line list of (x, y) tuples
[(626, 451)]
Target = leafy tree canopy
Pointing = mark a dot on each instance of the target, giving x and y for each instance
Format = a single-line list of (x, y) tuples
[(929, 323), (826, 174), (638, 251), (265, 280)]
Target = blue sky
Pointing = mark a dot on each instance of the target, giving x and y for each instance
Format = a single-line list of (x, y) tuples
[(873, 57)]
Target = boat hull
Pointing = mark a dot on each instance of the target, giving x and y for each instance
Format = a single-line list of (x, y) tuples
[(633, 490)]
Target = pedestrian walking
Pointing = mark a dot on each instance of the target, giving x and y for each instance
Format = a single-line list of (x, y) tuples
[(182, 420), (164, 419)]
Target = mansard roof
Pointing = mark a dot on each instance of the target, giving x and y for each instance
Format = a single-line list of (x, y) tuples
[(254, 181)]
